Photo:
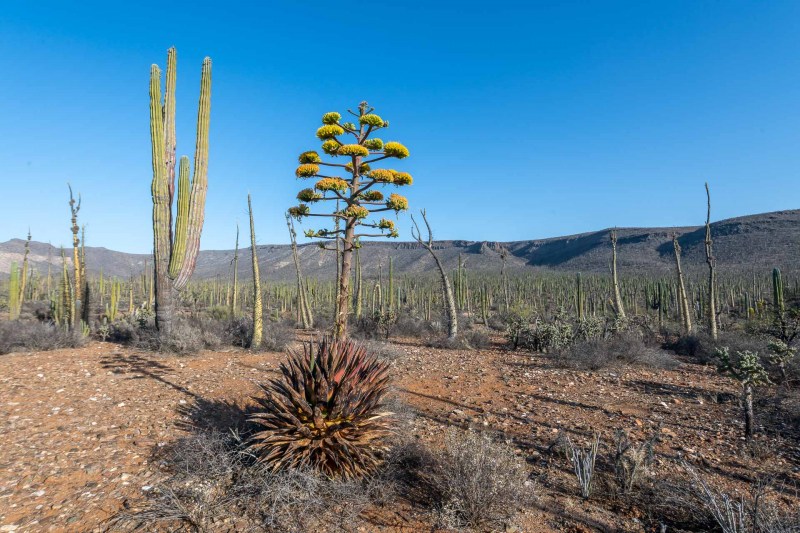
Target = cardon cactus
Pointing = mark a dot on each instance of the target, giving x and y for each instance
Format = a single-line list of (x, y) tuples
[(175, 251), (325, 411)]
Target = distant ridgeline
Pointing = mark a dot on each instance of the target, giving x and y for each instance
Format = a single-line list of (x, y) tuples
[(755, 243)]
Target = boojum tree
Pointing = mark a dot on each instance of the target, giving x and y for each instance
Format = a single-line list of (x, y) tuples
[(353, 182)]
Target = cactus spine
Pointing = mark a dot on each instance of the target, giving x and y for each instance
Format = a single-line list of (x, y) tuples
[(258, 319), (175, 253)]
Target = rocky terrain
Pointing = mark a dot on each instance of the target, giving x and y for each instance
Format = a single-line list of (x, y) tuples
[(80, 428)]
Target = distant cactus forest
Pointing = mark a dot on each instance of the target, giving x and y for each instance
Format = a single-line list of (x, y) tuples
[(329, 420)]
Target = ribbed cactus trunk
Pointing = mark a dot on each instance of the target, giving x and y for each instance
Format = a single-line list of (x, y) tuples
[(683, 299), (778, 301), (712, 274), (233, 301), (619, 308), (74, 207), (258, 309), (175, 252)]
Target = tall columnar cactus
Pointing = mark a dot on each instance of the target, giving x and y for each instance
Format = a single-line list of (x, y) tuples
[(258, 309), (579, 296), (683, 300), (619, 308), (175, 249), (712, 272), (305, 317), (778, 301), (233, 302), (13, 293), (75, 207)]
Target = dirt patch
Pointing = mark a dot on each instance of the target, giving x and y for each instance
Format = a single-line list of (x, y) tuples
[(80, 425)]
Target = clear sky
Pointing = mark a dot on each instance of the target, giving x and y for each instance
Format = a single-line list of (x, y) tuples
[(524, 119)]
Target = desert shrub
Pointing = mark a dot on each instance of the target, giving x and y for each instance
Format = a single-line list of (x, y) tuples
[(702, 348), (383, 325), (238, 331), (583, 463), (496, 323), (540, 336), (630, 460), (210, 482), (278, 336), (369, 327), (621, 349), (412, 326), (29, 335), (195, 333), (471, 339), (750, 513), (590, 328), (325, 412), (481, 482)]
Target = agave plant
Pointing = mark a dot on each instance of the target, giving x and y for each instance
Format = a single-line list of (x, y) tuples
[(325, 411)]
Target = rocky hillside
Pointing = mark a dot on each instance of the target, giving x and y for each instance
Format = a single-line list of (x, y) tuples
[(755, 242)]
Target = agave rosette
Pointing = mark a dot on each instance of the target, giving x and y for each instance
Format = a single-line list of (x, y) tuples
[(325, 411)]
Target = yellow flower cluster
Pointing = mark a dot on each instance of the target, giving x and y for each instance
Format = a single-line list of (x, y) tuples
[(331, 184), (309, 157), (385, 223), (362, 169), (349, 126), (402, 178), (395, 149), (374, 144), (373, 196), (331, 118), (308, 195), (397, 202), (353, 150), (329, 131), (371, 120), (299, 211), (356, 211), (330, 147), (382, 175), (307, 170)]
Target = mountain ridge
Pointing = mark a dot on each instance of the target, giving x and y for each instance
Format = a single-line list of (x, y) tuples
[(751, 242)]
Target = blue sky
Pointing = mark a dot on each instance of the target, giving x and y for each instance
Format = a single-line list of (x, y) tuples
[(524, 119)]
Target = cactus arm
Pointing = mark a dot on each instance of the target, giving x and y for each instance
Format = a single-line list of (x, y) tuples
[(199, 180), (170, 141), (181, 221)]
